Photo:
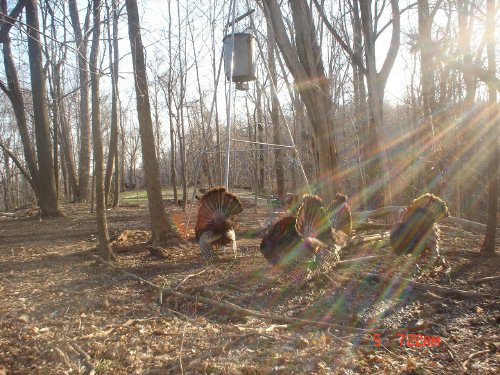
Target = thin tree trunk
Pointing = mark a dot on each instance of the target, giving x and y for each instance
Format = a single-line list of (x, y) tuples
[(81, 46), (260, 137), (491, 223), (304, 62), (113, 63), (161, 229), (102, 225), (275, 118), (360, 107), (173, 174), (15, 96), (180, 114)]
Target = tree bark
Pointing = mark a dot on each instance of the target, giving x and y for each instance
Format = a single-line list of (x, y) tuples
[(113, 63), (304, 62), (102, 225), (275, 118), (426, 133), (173, 174), (491, 223), (47, 193), (81, 46), (161, 229), (16, 98)]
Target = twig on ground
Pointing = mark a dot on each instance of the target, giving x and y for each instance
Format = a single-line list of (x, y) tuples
[(188, 277), (449, 349), (219, 349), (355, 261), (484, 280), (239, 310), (427, 287), (180, 350), (86, 358), (465, 365)]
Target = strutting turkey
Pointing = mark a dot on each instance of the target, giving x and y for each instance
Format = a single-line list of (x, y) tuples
[(416, 231), (215, 225), (296, 245)]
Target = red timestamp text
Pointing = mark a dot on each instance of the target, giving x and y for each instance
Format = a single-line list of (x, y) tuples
[(412, 340)]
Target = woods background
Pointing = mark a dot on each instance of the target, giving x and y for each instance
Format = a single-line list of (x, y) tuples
[(404, 103)]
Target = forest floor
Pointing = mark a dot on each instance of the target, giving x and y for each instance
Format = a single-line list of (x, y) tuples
[(62, 311)]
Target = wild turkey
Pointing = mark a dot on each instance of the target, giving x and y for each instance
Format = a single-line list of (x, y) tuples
[(307, 241), (215, 225), (416, 232), (339, 214)]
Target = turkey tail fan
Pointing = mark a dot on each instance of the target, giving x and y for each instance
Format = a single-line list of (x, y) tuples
[(339, 214), (311, 217), (216, 205), (416, 231), (433, 209), (280, 240)]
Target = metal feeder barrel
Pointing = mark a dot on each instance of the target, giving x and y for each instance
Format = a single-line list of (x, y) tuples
[(243, 59)]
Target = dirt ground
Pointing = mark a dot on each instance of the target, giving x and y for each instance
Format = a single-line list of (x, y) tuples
[(63, 312)]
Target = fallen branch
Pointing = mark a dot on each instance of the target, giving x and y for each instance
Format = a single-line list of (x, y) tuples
[(237, 309), (355, 261), (485, 280), (465, 365), (188, 277), (426, 287), (86, 358)]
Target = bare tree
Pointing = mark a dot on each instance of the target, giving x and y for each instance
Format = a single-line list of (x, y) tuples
[(161, 229), (275, 117), (102, 225), (113, 63), (15, 95), (47, 193), (81, 39), (376, 82), (305, 64), (489, 239)]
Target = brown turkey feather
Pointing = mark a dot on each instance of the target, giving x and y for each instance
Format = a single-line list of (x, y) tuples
[(339, 214), (217, 206), (416, 230), (311, 217)]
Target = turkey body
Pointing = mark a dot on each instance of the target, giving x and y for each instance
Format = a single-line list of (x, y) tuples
[(296, 244), (416, 231), (214, 225)]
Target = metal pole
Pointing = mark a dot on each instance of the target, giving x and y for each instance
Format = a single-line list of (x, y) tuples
[(229, 104)]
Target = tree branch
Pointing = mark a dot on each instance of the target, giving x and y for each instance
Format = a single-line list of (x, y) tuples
[(354, 57), (19, 165), (395, 42), (10, 20)]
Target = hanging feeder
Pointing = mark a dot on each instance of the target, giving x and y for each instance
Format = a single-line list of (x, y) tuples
[(242, 86), (243, 57)]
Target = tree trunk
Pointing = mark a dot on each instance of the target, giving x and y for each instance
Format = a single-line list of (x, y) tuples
[(173, 174), (49, 205), (376, 181), (180, 114), (360, 107), (304, 62), (15, 96), (161, 229), (261, 183), (489, 239), (275, 118), (426, 133), (102, 225), (81, 46), (113, 63)]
